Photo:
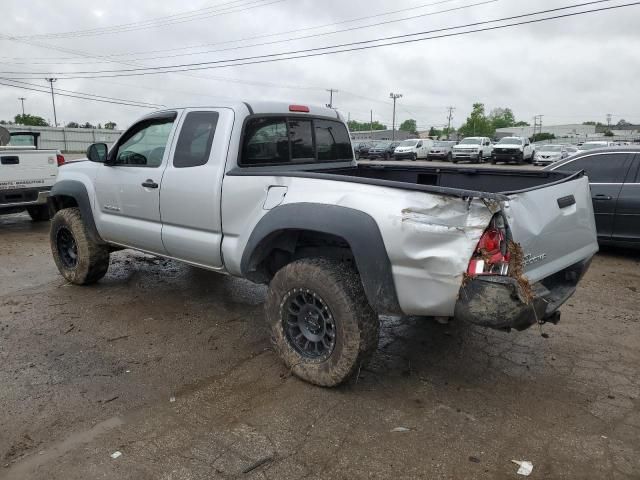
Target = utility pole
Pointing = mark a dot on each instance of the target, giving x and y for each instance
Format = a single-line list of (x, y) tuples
[(331, 92), (53, 100), (22, 99), (537, 124), (609, 120), (394, 97), (371, 125), (451, 109)]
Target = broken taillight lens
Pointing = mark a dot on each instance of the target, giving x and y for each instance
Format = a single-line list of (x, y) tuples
[(491, 256)]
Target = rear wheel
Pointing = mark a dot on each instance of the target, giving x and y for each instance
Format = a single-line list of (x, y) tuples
[(39, 213), (320, 320), (78, 258)]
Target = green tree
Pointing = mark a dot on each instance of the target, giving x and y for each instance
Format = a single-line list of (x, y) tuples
[(31, 120), (434, 132), (356, 126), (539, 137), (477, 124), (110, 125), (608, 133), (521, 124), (87, 125), (502, 118), (72, 125), (410, 126)]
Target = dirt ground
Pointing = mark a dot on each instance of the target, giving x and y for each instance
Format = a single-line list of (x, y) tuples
[(173, 367)]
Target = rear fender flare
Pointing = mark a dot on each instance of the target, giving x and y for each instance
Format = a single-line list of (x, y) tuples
[(357, 228)]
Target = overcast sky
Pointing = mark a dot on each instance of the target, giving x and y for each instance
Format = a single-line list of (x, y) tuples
[(569, 70)]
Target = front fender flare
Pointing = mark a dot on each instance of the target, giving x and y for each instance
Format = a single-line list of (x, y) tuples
[(78, 191), (357, 228)]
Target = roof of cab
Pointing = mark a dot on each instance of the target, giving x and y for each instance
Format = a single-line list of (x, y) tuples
[(250, 107)]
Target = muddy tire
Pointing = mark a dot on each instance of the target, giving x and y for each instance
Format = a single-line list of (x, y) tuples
[(321, 323), (39, 213), (78, 259)]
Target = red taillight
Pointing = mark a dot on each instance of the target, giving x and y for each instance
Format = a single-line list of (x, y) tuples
[(491, 256), (298, 108), (60, 159)]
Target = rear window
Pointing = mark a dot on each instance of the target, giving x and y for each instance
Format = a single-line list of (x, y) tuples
[(285, 140)]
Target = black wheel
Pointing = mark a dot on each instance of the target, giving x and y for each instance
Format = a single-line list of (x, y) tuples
[(480, 158), (520, 160), (321, 322), (414, 157), (79, 260), (387, 156), (493, 161), (455, 160), (39, 213), (449, 157)]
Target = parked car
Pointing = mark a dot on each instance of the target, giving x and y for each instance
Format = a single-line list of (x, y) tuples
[(591, 145), (546, 154), (474, 149), (571, 150), (442, 150), (271, 192), (383, 150), (512, 149), (361, 149), (614, 176), (413, 149), (27, 174)]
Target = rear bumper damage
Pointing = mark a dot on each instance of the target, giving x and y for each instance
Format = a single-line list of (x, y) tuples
[(503, 303)]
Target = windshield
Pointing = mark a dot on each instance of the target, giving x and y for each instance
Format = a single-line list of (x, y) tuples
[(471, 141), (590, 145), (510, 141), (408, 143), (550, 148), (441, 144), (381, 144)]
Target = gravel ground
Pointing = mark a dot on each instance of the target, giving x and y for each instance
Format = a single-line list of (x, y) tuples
[(173, 367)]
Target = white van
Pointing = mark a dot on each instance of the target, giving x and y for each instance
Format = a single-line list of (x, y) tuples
[(413, 149)]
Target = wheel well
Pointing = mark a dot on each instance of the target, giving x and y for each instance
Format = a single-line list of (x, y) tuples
[(285, 246), (58, 202)]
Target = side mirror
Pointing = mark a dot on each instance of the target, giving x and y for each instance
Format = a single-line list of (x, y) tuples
[(97, 152)]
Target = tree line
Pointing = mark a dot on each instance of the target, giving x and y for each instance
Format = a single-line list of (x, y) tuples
[(36, 121)]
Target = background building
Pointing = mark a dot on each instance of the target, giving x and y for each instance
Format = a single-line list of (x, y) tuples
[(380, 135)]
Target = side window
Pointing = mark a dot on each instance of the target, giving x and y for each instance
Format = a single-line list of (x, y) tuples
[(301, 137), (419, 145), (332, 141), (194, 143), (145, 143), (603, 168)]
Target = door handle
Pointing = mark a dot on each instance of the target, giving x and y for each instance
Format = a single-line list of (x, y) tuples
[(149, 184), (601, 196)]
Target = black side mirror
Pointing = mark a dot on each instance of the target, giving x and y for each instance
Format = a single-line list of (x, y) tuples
[(97, 152)]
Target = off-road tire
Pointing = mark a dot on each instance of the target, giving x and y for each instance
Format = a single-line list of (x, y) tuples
[(356, 324), (39, 213), (92, 259)]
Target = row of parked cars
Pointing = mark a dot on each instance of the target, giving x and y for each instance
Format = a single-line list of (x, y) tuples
[(473, 149)]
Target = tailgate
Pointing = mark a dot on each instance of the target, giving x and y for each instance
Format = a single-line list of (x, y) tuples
[(27, 168), (554, 225)]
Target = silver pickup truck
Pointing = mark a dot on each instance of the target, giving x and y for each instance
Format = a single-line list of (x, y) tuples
[(271, 192)]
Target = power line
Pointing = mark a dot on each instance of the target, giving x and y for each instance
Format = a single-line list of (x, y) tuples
[(287, 40), (345, 47), (160, 22), (255, 37), (74, 96)]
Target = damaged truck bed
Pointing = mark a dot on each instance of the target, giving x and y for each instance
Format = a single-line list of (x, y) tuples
[(271, 192)]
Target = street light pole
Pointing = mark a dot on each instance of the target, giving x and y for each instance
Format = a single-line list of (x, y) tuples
[(53, 100), (331, 92), (22, 99), (394, 97)]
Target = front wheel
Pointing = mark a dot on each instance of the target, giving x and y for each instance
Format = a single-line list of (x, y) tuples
[(414, 157), (78, 258), (480, 158), (321, 322), (39, 213), (449, 157)]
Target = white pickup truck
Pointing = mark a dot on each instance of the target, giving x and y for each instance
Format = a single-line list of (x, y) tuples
[(26, 174), (271, 192)]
